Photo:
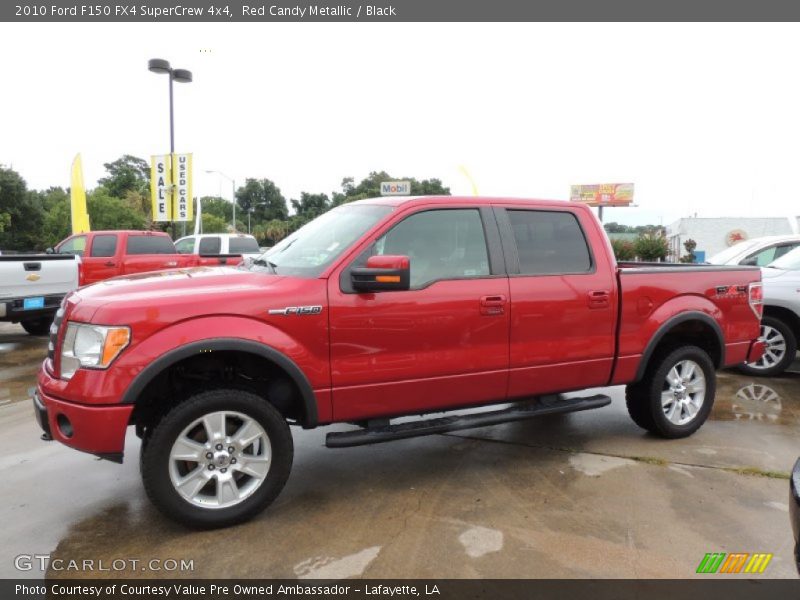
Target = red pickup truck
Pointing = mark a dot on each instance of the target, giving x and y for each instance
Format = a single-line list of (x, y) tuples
[(379, 309), (106, 254)]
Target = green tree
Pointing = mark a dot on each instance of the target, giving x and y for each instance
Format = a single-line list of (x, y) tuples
[(690, 246), (370, 187), (213, 224), (125, 174), (310, 206), (23, 212), (623, 249), (651, 247), (109, 212), (264, 197), (219, 207)]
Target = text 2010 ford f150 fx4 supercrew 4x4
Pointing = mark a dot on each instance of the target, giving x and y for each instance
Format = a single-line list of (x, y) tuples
[(379, 309)]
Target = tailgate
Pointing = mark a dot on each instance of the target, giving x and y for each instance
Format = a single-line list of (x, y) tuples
[(23, 276)]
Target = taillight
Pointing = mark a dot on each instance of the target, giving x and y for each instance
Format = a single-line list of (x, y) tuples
[(756, 299)]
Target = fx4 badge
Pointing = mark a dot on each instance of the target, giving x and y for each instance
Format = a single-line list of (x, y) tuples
[(296, 310)]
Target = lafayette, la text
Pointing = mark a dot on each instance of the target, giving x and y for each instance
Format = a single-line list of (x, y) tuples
[(314, 10)]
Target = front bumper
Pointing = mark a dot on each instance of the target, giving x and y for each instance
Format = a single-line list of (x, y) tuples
[(794, 510), (98, 430)]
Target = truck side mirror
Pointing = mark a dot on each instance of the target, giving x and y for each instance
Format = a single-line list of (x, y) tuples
[(382, 274), (50, 251)]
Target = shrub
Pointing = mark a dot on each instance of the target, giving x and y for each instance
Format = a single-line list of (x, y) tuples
[(651, 247), (623, 250)]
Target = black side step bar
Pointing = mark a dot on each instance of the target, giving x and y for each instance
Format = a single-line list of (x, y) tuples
[(360, 437)]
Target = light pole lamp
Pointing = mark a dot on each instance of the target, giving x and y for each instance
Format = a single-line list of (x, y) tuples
[(233, 193), (161, 66)]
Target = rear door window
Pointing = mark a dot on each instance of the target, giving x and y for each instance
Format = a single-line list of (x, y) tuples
[(149, 244), (549, 242), (210, 245), (104, 245)]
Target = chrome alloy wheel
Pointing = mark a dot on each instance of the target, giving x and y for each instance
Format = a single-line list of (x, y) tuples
[(684, 392), (774, 350), (220, 459)]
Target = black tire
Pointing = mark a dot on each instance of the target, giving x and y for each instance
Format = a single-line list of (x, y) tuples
[(40, 326), (644, 398), (156, 463), (790, 351)]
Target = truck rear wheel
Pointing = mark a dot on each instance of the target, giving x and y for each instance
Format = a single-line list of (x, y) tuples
[(676, 395), (780, 350), (217, 459), (40, 326)]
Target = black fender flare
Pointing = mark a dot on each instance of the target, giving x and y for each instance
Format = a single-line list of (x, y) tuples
[(151, 371), (666, 327)]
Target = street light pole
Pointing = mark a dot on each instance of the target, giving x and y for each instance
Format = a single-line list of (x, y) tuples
[(161, 66), (233, 193)]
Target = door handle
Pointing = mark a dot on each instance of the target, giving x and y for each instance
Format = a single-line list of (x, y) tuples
[(493, 305), (110, 264), (599, 299), (171, 263)]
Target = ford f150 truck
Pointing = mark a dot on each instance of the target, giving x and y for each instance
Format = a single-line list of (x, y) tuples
[(107, 254), (379, 309)]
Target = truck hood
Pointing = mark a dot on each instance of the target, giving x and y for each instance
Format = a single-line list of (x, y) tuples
[(195, 290), (768, 273)]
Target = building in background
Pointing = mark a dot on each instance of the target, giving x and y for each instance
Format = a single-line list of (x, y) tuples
[(714, 234)]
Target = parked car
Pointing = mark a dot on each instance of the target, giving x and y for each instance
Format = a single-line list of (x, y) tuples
[(780, 327), (107, 254), (209, 244), (794, 510), (379, 309), (32, 287), (757, 252)]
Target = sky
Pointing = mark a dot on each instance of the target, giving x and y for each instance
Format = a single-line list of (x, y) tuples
[(703, 118)]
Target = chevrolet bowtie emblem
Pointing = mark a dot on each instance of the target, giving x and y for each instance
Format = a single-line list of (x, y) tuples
[(33, 277)]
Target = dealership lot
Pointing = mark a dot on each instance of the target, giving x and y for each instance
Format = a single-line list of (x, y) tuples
[(578, 495)]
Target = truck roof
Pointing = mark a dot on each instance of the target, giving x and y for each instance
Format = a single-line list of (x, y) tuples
[(476, 200), (128, 231)]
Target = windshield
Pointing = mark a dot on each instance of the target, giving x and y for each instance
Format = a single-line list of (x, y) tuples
[(721, 258), (788, 262), (310, 249)]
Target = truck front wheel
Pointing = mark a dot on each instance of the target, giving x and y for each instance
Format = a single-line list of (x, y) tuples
[(217, 459), (676, 394)]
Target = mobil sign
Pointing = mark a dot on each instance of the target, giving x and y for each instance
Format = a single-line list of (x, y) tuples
[(395, 188)]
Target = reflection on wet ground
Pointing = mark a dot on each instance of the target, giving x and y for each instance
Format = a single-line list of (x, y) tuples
[(20, 357), (580, 495)]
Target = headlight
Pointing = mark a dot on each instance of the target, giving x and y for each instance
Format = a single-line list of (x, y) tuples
[(93, 346)]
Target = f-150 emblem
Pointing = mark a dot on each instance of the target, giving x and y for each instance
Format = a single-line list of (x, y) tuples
[(296, 310)]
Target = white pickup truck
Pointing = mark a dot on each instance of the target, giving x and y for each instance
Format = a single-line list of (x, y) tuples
[(32, 287)]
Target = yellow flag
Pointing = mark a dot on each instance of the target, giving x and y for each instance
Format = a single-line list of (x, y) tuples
[(80, 217)]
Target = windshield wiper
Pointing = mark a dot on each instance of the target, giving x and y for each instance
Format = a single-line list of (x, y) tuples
[(262, 262)]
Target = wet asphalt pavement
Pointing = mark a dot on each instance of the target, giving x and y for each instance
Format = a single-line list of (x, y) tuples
[(579, 495)]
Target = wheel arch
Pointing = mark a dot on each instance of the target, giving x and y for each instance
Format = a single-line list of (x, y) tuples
[(694, 326), (786, 315), (148, 375)]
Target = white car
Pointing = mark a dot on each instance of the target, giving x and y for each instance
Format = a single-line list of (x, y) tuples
[(219, 243), (759, 251), (780, 326)]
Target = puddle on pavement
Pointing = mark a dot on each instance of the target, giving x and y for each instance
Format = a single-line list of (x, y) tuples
[(776, 403), (20, 358)]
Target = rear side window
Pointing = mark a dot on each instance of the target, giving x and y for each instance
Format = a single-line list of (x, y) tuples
[(240, 245), (210, 245), (150, 244), (549, 242), (763, 257), (104, 245)]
